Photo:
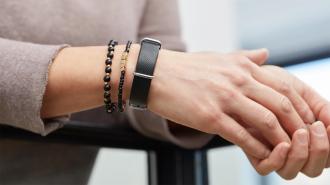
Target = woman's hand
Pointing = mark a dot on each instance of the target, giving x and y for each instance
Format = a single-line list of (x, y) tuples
[(308, 154), (206, 91), (313, 158)]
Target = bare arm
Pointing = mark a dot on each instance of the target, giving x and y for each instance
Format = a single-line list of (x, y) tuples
[(185, 90)]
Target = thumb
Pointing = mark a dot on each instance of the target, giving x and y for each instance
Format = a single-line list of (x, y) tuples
[(258, 56)]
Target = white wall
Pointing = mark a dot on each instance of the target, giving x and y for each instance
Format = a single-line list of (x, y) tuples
[(209, 25)]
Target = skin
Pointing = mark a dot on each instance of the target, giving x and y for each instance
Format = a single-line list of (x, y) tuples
[(309, 157), (227, 95)]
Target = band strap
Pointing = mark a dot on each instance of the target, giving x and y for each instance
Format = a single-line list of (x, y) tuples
[(144, 73)]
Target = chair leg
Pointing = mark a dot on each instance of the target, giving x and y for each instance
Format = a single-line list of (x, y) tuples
[(177, 167)]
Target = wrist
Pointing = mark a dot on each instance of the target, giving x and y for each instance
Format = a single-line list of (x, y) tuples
[(167, 67), (130, 68), (115, 75)]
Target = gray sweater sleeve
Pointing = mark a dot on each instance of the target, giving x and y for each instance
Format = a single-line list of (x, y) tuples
[(155, 25), (23, 79)]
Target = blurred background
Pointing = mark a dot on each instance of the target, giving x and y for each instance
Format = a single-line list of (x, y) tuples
[(296, 32)]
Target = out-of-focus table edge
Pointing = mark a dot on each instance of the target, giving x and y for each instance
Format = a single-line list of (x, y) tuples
[(83, 133)]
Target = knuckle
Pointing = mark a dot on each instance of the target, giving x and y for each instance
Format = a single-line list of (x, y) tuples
[(286, 105), (270, 121), (243, 62), (242, 137), (240, 80), (228, 94), (209, 120), (304, 111), (209, 116), (285, 88)]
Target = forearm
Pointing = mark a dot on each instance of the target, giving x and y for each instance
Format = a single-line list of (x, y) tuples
[(75, 80)]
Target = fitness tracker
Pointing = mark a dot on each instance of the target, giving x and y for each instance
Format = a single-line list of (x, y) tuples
[(144, 70)]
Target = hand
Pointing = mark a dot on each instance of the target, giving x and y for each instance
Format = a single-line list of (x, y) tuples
[(309, 159), (311, 162), (306, 155), (321, 110), (206, 91)]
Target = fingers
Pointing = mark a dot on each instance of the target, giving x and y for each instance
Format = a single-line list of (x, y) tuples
[(298, 155), (258, 56), (280, 105), (283, 86), (234, 132), (319, 105), (274, 162), (256, 116), (319, 150)]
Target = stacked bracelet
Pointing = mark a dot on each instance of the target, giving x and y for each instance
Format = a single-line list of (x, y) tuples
[(109, 106), (121, 103)]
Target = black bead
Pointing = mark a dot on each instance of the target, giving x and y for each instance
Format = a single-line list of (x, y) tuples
[(107, 78), (122, 72), (108, 69), (106, 100), (110, 55), (113, 106), (107, 87), (107, 94), (110, 110), (111, 42), (108, 62)]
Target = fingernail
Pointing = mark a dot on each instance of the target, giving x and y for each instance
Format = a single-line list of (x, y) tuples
[(302, 136), (318, 128)]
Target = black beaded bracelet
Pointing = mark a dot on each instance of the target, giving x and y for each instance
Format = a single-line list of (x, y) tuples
[(109, 106), (121, 103)]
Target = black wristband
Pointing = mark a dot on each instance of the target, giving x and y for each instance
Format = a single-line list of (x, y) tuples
[(144, 73)]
